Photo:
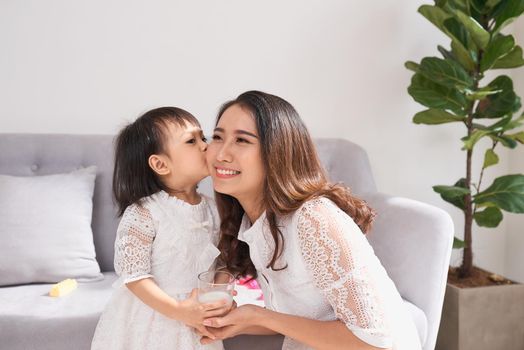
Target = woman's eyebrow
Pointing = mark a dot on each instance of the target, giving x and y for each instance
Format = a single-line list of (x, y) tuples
[(241, 132)]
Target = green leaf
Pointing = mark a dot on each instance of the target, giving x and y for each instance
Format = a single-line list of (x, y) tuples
[(437, 96), (479, 35), (471, 140), (483, 6), (513, 123), (445, 72), (411, 66), (453, 194), (512, 60), (519, 137), (458, 243), (457, 32), (491, 3), (507, 12), (506, 192), (478, 5), (504, 140), (501, 45), (440, 3), (505, 124), (445, 53), (435, 15), (462, 56), (489, 217), (490, 158), (501, 104), (461, 5), (436, 116)]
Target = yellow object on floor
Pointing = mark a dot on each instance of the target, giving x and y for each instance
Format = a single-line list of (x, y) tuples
[(63, 288)]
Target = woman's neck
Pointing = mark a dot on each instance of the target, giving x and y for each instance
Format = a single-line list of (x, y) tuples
[(252, 208)]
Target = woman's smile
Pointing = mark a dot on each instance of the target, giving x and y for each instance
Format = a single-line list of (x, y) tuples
[(226, 173)]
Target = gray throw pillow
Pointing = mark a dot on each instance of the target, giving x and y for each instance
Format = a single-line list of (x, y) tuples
[(45, 228)]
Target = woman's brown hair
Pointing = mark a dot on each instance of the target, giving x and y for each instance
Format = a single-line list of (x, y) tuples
[(294, 175)]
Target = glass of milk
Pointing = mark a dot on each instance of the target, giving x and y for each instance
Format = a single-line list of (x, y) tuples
[(215, 285)]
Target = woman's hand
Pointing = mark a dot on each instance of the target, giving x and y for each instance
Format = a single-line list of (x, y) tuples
[(230, 325), (193, 313)]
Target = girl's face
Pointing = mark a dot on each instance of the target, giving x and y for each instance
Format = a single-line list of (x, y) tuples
[(185, 156), (234, 156)]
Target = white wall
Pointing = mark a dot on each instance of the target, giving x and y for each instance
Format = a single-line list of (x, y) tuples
[(88, 67)]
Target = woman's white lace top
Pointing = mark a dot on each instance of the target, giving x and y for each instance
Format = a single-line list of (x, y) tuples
[(332, 273), (170, 241)]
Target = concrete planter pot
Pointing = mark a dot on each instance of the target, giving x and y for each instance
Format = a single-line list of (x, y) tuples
[(482, 318)]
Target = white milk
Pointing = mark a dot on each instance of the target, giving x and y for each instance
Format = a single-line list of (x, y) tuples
[(213, 296)]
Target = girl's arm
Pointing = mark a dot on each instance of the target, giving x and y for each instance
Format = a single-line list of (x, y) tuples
[(189, 311), (133, 249)]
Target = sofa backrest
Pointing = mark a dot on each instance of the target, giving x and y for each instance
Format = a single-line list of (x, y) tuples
[(43, 154)]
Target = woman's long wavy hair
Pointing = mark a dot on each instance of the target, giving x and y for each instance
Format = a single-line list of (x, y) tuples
[(294, 175)]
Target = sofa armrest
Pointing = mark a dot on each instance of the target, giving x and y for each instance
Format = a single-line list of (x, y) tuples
[(413, 240)]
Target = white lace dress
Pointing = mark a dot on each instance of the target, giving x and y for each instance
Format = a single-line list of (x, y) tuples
[(332, 273), (170, 241)]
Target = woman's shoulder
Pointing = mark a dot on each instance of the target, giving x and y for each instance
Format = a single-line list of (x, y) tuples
[(320, 210), (317, 204)]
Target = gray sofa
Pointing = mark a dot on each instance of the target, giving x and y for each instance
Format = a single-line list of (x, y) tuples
[(413, 241)]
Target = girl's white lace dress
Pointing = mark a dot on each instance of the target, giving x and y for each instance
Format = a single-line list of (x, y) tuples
[(170, 241), (332, 273)]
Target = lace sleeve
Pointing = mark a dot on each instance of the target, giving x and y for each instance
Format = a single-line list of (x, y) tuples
[(133, 244), (339, 270)]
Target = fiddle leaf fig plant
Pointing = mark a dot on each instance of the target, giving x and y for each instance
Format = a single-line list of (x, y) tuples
[(454, 90)]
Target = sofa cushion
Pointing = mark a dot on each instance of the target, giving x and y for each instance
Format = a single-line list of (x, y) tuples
[(46, 228), (33, 320)]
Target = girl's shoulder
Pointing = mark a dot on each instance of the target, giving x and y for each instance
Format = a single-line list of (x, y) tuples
[(139, 209), (143, 209)]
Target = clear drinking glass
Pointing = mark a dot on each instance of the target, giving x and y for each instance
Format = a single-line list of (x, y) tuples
[(215, 285)]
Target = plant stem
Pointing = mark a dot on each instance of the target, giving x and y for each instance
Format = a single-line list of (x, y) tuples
[(467, 258)]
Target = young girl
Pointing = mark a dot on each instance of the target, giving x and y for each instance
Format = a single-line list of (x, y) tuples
[(167, 235)]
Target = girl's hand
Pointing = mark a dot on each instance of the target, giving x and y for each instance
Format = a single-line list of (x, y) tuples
[(193, 313), (230, 325)]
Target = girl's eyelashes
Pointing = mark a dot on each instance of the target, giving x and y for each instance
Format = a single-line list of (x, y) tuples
[(191, 141), (204, 138)]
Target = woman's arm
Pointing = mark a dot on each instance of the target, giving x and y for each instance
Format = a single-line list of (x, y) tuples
[(251, 319), (333, 250)]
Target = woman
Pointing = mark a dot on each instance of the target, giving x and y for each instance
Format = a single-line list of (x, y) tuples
[(283, 222)]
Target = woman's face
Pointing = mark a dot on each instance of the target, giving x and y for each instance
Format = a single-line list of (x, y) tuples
[(234, 156)]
